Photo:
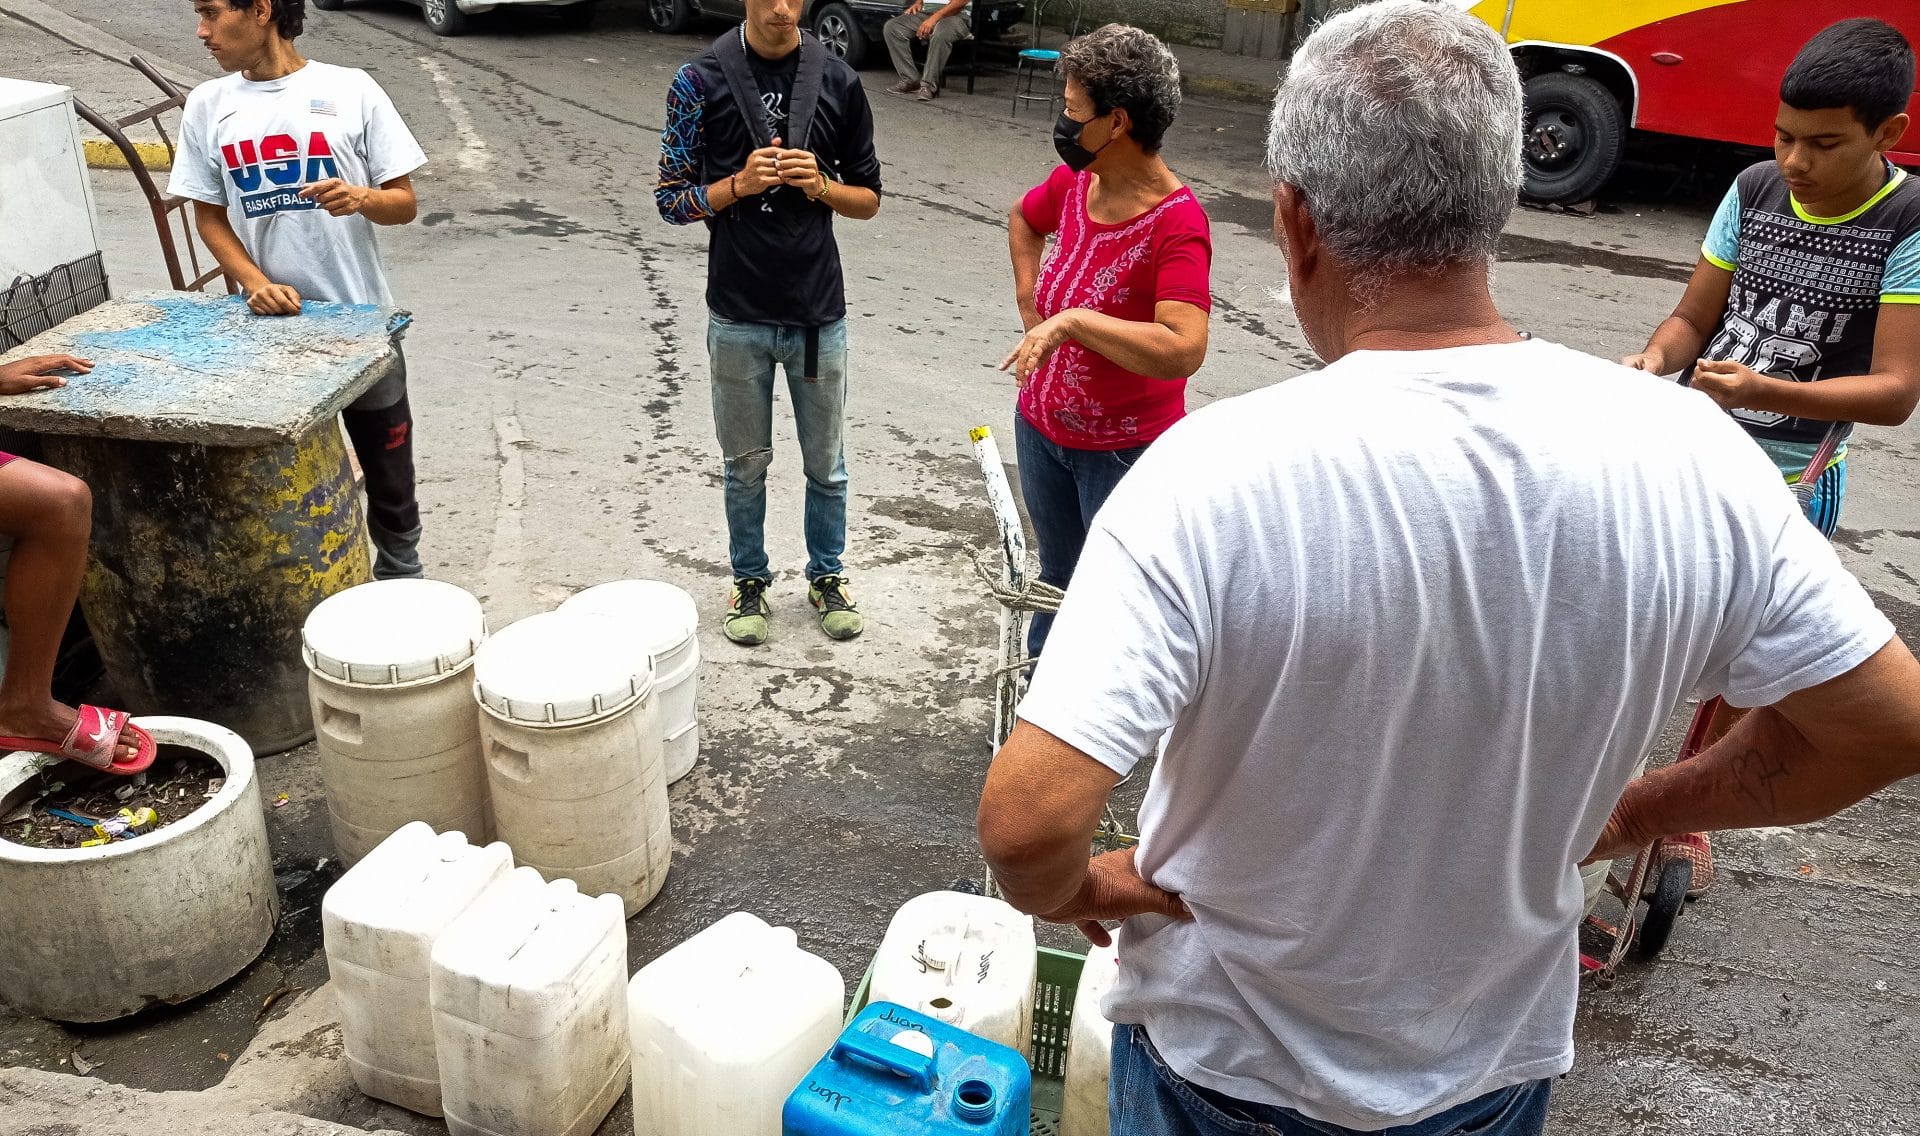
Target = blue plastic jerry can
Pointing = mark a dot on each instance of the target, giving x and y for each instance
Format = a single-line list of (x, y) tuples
[(899, 1073)]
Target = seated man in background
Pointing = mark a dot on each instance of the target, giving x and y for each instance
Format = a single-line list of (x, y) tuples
[(941, 25)]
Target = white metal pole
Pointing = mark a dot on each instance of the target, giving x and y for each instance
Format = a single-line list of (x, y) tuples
[(1013, 574)]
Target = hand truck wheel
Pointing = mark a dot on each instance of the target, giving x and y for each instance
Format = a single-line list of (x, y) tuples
[(1663, 907)]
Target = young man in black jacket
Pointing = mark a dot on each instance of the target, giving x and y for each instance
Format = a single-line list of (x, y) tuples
[(767, 138)]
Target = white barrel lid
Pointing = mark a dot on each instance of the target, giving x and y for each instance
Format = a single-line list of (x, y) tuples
[(661, 613), (556, 670), (393, 632)]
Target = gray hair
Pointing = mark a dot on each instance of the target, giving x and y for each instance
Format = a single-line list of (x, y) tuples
[(1126, 68), (1399, 123)]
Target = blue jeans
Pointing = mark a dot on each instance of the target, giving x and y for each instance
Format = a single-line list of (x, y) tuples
[(1063, 489), (1145, 1098), (742, 357)]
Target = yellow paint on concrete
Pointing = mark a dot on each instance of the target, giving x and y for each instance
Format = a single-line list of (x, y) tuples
[(1584, 22), (316, 483), (304, 531), (102, 154)]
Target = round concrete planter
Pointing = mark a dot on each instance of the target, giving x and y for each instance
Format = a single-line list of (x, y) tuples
[(92, 934)]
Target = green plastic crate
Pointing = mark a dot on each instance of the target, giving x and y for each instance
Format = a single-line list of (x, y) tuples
[(1056, 977)]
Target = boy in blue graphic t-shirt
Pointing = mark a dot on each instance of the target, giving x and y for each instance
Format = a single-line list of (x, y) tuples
[(1803, 315), (1804, 312)]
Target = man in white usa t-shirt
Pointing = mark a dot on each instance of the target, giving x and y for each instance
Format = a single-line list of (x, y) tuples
[(291, 164), (1407, 624)]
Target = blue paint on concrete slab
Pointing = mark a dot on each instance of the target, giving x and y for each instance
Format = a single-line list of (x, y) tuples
[(186, 367)]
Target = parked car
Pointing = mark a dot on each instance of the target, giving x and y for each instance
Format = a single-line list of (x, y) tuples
[(850, 29), (1705, 69), (449, 17)]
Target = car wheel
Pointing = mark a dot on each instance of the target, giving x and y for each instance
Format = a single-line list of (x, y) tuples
[(836, 28), (444, 17), (329, 5), (1572, 138), (669, 16)]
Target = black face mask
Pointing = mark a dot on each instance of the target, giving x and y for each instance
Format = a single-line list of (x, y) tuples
[(1066, 140)]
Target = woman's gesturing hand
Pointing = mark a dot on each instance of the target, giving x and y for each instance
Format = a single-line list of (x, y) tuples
[(1039, 345)]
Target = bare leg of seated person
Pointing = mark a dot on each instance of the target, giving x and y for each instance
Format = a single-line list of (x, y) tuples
[(49, 514)]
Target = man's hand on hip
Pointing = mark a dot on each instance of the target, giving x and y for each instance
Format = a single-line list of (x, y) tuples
[(1616, 840), (1114, 889)]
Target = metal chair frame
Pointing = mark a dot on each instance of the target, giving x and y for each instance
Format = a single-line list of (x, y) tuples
[(1028, 62), (167, 210)]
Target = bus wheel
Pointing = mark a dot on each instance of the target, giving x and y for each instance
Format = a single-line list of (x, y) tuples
[(1572, 138)]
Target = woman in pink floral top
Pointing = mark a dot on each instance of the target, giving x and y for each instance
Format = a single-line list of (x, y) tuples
[(1116, 316)]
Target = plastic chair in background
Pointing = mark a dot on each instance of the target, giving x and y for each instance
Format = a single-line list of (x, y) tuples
[(1034, 60)]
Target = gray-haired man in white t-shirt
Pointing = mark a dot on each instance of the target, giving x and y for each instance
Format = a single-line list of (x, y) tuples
[(1407, 625)]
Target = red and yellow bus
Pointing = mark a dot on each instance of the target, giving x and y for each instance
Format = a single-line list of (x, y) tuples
[(1705, 69)]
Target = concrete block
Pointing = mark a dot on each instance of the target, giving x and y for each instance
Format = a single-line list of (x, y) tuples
[(203, 370), (32, 1101)]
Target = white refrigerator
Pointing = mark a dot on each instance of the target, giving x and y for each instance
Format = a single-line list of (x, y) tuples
[(46, 203)]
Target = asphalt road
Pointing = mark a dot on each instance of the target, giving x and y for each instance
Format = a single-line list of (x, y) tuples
[(564, 439)]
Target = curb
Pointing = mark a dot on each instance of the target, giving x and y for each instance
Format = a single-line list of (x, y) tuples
[(1232, 90), (102, 154), (86, 37)]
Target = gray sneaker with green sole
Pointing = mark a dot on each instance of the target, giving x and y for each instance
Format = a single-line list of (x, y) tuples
[(840, 617), (747, 610)]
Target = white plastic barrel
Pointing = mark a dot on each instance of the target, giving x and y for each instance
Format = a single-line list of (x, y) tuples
[(380, 922), (665, 625), (1090, 1048), (571, 740), (724, 1027), (528, 989), (968, 960), (392, 712)]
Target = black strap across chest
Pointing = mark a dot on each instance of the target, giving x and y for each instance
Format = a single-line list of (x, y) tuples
[(731, 50)]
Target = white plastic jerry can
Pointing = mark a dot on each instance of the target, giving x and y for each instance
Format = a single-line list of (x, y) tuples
[(527, 989), (724, 1027), (664, 625), (380, 922), (1090, 1048), (967, 960)]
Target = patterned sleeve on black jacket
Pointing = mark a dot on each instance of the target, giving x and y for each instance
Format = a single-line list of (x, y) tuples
[(681, 194)]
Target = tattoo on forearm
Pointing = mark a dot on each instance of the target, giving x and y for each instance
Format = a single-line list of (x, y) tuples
[(1756, 775)]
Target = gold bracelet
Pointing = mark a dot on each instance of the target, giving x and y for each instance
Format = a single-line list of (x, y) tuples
[(824, 184)]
